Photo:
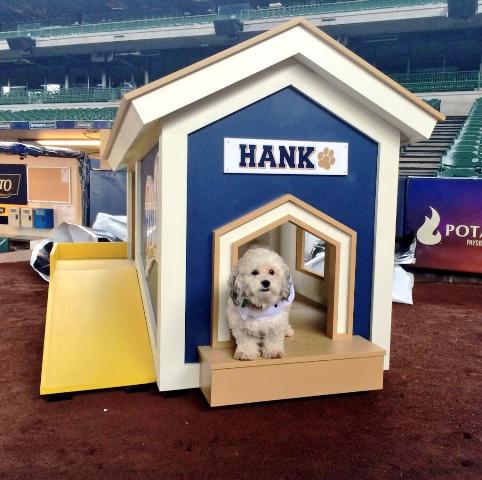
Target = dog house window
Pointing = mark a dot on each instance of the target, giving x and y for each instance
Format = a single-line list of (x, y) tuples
[(311, 254), (147, 226)]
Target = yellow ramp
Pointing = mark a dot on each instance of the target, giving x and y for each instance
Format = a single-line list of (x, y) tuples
[(95, 333)]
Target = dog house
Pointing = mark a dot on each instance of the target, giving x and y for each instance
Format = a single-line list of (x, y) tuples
[(284, 135)]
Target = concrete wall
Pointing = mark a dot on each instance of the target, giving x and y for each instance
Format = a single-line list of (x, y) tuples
[(454, 103)]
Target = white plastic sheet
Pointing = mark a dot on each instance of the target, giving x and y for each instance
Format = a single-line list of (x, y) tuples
[(72, 233), (317, 264), (39, 260), (106, 228), (402, 286), (114, 224)]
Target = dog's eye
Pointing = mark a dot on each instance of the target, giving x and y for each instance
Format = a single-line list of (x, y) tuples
[(271, 272), (254, 272)]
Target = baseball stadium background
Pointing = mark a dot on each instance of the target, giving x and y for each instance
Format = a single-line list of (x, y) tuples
[(66, 65)]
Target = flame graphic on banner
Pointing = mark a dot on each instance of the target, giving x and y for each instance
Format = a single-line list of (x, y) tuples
[(425, 234)]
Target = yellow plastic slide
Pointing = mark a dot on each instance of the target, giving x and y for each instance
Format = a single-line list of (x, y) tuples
[(95, 334)]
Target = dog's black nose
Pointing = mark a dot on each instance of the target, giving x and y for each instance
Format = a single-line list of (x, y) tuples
[(265, 283)]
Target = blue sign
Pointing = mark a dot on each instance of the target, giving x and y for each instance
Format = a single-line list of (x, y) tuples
[(13, 184), (56, 125)]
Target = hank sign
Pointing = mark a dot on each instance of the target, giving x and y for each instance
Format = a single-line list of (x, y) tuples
[(284, 157)]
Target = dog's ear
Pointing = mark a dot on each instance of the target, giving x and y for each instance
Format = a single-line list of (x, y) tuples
[(235, 289), (285, 285)]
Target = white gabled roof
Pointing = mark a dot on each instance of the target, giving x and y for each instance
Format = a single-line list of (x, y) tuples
[(135, 130)]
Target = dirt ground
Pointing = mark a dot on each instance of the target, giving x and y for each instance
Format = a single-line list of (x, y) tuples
[(425, 424)]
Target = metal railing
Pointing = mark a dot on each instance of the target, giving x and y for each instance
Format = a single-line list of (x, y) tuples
[(415, 82), (439, 81), (335, 7), (64, 95), (85, 28), (244, 15)]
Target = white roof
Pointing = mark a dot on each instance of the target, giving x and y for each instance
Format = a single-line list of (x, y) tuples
[(136, 128)]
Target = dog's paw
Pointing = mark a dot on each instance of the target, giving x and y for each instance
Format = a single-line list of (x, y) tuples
[(289, 332), (245, 354), (269, 353)]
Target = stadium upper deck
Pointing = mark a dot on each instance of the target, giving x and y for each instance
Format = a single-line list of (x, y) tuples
[(66, 66), (337, 18), (423, 44)]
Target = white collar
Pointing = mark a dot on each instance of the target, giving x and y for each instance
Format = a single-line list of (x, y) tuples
[(247, 313)]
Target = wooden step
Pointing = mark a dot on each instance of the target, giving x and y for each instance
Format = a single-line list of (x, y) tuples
[(313, 365)]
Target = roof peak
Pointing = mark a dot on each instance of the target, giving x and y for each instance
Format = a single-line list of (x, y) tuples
[(300, 22)]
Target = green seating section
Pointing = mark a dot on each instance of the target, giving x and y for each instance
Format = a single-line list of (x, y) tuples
[(439, 81), (244, 15), (64, 95), (464, 158), (58, 114), (434, 103)]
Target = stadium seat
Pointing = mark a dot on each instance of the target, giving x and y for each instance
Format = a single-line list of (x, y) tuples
[(434, 103), (459, 172), (462, 160)]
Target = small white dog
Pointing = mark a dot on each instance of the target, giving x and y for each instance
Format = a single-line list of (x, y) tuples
[(261, 292)]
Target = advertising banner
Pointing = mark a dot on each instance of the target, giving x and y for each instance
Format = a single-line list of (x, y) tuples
[(445, 214), (56, 124), (13, 184)]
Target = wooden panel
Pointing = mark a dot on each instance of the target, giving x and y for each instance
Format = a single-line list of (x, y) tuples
[(232, 386), (332, 265), (309, 342), (49, 184), (300, 256), (314, 364), (205, 380)]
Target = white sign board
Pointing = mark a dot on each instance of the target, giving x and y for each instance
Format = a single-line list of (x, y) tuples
[(285, 157)]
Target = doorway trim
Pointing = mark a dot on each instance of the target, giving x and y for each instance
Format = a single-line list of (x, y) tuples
[(340, 271)]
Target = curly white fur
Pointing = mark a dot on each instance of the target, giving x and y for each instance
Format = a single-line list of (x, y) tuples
[(259, 281)]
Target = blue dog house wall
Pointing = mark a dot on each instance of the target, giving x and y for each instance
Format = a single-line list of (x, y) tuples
[(284, 135)]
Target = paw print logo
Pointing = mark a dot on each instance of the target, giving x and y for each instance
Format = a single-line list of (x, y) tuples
[(326, 158)]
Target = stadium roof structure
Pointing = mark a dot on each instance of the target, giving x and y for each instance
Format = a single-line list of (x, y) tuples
[(136, 128)]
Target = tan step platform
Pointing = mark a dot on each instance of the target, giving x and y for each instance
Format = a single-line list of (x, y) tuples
[(313, 365)]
